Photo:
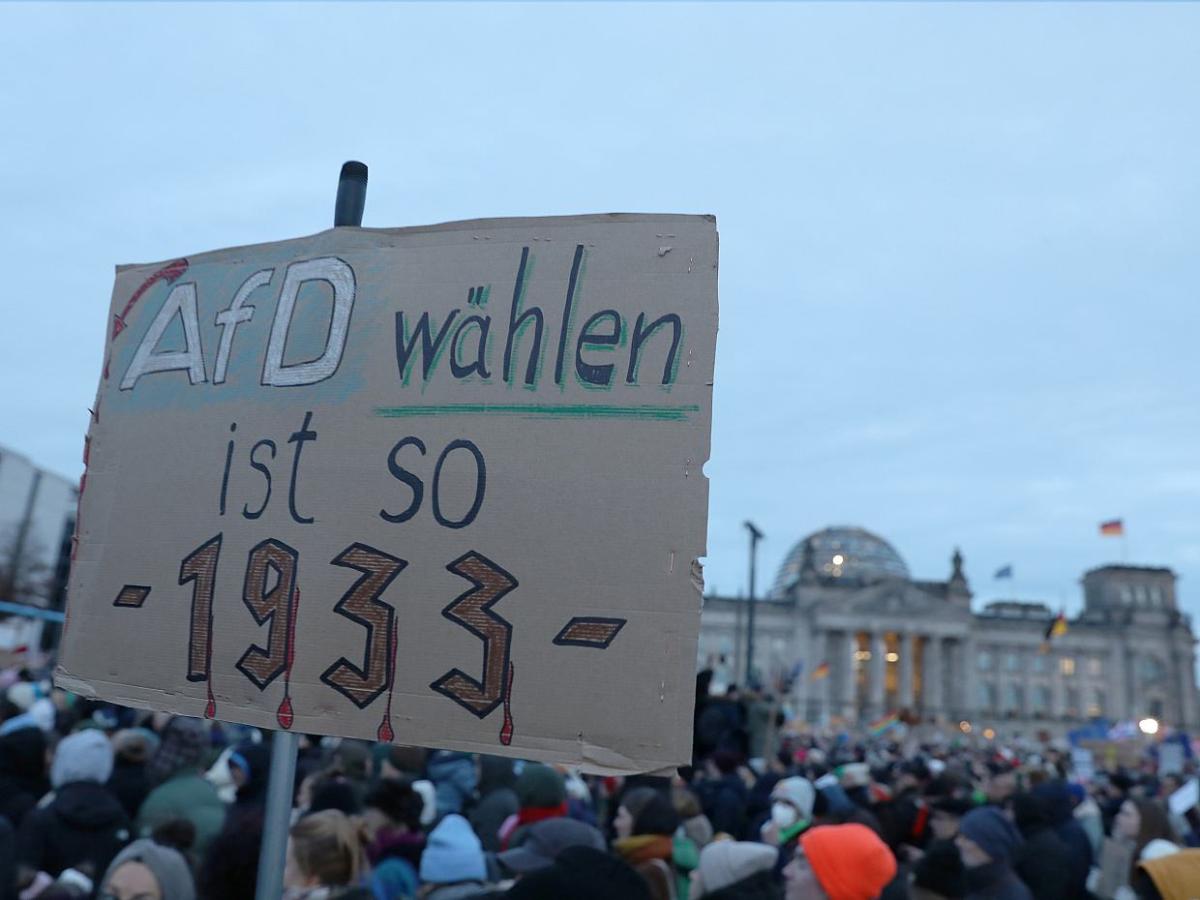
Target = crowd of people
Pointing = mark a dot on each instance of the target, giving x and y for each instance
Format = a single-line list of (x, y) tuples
[(102, 801)]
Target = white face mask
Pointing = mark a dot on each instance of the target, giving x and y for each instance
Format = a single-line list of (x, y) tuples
[(784, 815)]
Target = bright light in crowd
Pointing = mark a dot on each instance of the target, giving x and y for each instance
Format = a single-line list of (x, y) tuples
[(1148, 726), (965, 727), (838, 559), (989, 733), (893, 657)]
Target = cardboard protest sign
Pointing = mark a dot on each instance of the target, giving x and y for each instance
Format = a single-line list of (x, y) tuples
[(1185, 798), (1083, 764), (1170, 759), (438, 486)]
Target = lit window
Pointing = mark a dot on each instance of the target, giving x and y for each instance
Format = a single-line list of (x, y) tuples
[(1067, 665)]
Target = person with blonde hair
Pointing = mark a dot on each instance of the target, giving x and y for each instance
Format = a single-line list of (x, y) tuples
[(326, 859)]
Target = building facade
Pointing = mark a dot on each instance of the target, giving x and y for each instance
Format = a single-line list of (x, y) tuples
[(37, 519), (855, 638)]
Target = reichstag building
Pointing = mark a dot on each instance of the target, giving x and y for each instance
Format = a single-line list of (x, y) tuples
[(857, 638)]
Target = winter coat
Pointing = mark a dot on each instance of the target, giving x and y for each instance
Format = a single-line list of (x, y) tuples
[(454, 779), (82, 822), (185, 795), (995, 881), (724, 802), (1087, 814), (129, 785), (1044, 864), (1079, 848), (8, 860), (23, 780), (490, 813), (759, 886)]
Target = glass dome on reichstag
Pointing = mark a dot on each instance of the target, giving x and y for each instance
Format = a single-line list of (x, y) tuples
[(852, 556)]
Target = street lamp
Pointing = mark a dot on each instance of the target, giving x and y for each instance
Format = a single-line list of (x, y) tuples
[(1148, 726), (755, 537)]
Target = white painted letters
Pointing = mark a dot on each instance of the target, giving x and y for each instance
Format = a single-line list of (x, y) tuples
[(181, 300), (229, 319), (340, 277)]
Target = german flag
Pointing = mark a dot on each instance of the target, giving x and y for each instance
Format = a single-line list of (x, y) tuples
[(821, 671), (1057, 628), (1112, 528)]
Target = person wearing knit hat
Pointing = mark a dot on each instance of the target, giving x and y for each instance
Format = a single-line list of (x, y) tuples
[(839, 862), (792, 802), (182, 792), (735, 870), (453, 855), (148, 871), (542, 794), (989, 843), (83, 756), (132, 750), (83, 823), (582, 873), (545, 840), (939, 874)]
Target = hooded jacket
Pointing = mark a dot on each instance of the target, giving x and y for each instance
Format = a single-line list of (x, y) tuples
[(1057, 799), (23, 780), (83, 822), (1043, 863)]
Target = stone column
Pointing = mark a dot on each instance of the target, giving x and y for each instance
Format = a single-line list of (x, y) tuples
[(846, 666), (968, 678), (1185, 670), (1117, 697), (932, 682), (1058, 687), (908, 646), (876, 683), (820, 690)]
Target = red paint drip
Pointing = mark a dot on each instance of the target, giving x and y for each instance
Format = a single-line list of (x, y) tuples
[(506, 733), (285, 715), (385, 733), (210, 711)]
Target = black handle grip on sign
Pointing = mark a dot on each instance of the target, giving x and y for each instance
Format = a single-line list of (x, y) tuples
[(351, 195)]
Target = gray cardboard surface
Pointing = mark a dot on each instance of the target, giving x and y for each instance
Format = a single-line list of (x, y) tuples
[(442, 486)]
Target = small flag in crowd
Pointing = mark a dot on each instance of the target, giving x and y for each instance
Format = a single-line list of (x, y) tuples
[(1112, 528), (880, 726), (821, 671), (1056, 628), (1004, 572)]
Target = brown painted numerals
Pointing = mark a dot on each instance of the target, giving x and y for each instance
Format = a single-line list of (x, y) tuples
[(361, 604), (269, 594), (200, 568), (473, 611)]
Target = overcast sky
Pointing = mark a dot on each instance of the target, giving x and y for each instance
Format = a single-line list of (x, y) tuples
[(959, 259)]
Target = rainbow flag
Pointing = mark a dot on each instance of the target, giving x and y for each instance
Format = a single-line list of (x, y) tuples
[(1112, 528), (821, 671), (881, 726)]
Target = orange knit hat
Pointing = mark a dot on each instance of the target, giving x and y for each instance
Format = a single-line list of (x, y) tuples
[(850, 861)]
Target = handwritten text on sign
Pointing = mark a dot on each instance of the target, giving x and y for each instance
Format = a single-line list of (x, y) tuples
[(353, 483)]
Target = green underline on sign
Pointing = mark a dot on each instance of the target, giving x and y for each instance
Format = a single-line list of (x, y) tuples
[(542, 411)]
